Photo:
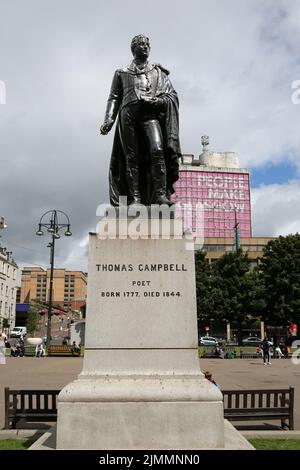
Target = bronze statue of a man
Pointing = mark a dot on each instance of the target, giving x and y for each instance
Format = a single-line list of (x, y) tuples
[(144, 161)]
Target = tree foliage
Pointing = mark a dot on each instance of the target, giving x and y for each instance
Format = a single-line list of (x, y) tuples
[(280, 276), (203, 274), (228, 289), (33, 316)]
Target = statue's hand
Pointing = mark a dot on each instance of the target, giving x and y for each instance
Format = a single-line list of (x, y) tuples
[(106, 127), (155, 103), (148, 100)]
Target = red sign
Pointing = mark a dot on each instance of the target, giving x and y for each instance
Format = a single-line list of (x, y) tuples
[(210, 202), (293, 329)]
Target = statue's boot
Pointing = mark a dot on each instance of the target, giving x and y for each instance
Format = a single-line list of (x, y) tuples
[(134, 186), (159, 181)]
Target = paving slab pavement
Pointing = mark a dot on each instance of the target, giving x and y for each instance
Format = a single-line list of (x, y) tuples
[(37, 373), (251, 373), (21, 433), (56, 372)]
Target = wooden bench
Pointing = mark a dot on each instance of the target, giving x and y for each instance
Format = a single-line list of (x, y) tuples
[(29, 350), (208, 352), (30, 406), (239, 405), (249, 352), (256, 405), (61, 350)]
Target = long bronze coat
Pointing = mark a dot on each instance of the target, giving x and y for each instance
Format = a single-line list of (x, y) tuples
[(125, 92)]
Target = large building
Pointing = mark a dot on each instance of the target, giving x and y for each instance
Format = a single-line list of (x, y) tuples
[(69, 287), (213, 195), (213, 198), (215, 247), (8, 290)]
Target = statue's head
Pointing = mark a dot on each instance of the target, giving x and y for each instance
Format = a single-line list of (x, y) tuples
[(140, 46)]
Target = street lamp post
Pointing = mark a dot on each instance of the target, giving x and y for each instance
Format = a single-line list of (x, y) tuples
[(53, 227), (3, 250), (236, 233)]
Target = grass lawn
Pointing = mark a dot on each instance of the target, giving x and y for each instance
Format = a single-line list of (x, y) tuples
[(275, 444), (259, 444), (15, 444)]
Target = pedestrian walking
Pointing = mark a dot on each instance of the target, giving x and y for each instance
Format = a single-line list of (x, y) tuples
[(266, 352)]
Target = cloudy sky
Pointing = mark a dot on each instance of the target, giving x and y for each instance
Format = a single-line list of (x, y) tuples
[(232, 62)]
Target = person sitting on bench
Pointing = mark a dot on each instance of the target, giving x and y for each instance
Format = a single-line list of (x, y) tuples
[(39, 350), (208, 376), (75, 349), (219, 352)]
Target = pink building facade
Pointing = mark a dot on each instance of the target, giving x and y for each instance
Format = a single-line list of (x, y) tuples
[(211, 201)]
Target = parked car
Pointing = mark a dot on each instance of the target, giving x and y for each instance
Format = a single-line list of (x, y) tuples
[(254, 341), (207, 341), (210, 341), (18, 331)]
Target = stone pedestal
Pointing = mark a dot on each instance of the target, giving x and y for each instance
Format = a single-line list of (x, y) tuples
[(141, 385)]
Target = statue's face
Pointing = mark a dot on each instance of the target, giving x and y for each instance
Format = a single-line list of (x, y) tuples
[(142, 49)]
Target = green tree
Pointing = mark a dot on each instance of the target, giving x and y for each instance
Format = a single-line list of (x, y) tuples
[(203, 273), (228, 289), (280, 276), (239, 289), (33, 317)]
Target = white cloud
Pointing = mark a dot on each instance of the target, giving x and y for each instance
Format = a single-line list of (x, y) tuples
[(77, 256), (275, 209), (232, 63)]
